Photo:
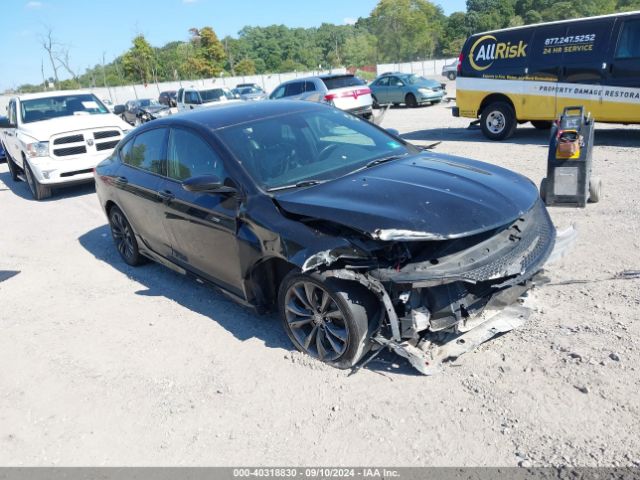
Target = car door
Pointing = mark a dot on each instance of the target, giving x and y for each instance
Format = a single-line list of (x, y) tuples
[(381, 90), (202, 226), (395, 90), (137, 183)]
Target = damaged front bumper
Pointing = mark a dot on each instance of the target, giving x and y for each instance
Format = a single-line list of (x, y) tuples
[(441, 307)]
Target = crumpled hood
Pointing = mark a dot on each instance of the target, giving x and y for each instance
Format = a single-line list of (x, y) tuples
[(424, 197), (44, 129)]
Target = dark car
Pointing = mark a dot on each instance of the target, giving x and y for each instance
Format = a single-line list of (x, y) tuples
[(135, 112), (355, 236), (3, 155), (168, 98)]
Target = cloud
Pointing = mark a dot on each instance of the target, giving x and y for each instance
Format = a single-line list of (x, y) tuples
[(33, 5), (350, 21)]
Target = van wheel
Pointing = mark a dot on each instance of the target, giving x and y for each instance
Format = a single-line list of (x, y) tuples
[(39, 191), (410, 100), (326, 318), (498, 121), (541, 124), (451, 76)]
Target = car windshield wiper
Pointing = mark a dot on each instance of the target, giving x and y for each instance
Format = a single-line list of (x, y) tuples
[(304, 183), (378, 161)]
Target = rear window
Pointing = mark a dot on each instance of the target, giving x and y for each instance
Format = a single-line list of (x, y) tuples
[(342, 82)]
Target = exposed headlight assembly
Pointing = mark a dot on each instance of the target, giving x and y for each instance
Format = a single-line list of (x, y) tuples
[(38, 149)]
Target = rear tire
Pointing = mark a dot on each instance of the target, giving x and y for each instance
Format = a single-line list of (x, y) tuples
[(410, 100), (375, 103), (541, 124), (39, 191), (124, 238), (333, 329), (498, 121), (451, 76)]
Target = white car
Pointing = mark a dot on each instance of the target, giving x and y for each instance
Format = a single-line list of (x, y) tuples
[(192, 99), (57, 138)]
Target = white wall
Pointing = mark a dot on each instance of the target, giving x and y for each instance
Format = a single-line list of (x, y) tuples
[(426, 68), (121, 94)]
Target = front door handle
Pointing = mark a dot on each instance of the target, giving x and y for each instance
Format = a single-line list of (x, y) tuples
[(120, 181), (166, 196)]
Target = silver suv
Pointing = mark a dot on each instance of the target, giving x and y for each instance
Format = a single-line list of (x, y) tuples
[(344, 91)]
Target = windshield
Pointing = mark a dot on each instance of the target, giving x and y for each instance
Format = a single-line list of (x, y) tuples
[(418, 80), (47, 108), (215, 95), (148, 102), (315, 145)]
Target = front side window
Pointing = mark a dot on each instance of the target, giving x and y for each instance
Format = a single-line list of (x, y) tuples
[(278, 92), (53, 107), (312, 145), (188, 156), (383, 82), (146, 151), (12, 113), (629, 44)]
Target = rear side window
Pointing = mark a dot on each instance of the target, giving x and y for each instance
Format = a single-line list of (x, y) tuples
[(629, 43), (295, 88), (309, 87), (146, 151), (342, 82), (188, 155)]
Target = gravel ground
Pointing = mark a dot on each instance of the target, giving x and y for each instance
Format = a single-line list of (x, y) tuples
[(104, 364)]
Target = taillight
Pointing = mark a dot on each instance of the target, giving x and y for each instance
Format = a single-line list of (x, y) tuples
[(329, 97), (459, 68)]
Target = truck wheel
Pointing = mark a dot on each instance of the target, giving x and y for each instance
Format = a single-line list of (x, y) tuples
[(327, 318), (498, 121), (595, 189), (451, 76), (39, 191), (14, 170), (541, 124), (410, 100)]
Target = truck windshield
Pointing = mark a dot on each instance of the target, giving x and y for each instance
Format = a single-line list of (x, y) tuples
[(40, 109)]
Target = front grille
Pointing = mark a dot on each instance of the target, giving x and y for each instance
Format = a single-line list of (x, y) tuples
[(106, 134), (106, 145), (69, 139), (77, 172), (64, 152)]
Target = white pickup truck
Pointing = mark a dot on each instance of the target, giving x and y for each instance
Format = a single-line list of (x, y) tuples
[(193, 99), (57, 138)]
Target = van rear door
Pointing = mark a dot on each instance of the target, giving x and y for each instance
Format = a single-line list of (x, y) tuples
[(621, 97)]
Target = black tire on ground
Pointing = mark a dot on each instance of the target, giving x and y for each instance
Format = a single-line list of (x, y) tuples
[(124, 238), (435, 102), (543, 189), (595, 189), (451, 76), (375, 103), (541, 124), (39, 191), (410, 100), (14, 170), (327, 318), (498, 121)]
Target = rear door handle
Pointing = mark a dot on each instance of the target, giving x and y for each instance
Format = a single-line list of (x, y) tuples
[(166, 196)]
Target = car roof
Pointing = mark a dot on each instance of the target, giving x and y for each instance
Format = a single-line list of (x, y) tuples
[(237, 113), (57, 93)]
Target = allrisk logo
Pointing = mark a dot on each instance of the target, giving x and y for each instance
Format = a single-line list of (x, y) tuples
[(487, 49)]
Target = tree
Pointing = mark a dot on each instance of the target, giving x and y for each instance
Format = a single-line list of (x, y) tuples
[(407, 29), (49, 45), (137, 62), (246, 66), (360, 50)]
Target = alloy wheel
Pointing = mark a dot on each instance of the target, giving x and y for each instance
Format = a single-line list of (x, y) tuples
[(316, 321), (122, 235)]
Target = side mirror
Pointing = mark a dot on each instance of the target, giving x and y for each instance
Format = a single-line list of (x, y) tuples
[(4, 123), (393, 132), (206, 184), (118, 109)]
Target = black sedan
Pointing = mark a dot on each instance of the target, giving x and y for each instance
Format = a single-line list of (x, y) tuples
[(356, 237)]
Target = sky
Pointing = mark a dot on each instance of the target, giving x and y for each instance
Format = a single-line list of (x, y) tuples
[(90, 28)]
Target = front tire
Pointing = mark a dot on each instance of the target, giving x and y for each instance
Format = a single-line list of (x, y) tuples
[(124, 238), (327, 318), (14, 170), (498, 121), (541, 124), (39, 191), (451, 76)]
